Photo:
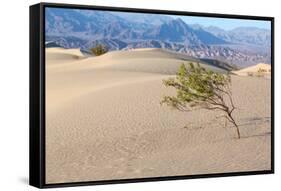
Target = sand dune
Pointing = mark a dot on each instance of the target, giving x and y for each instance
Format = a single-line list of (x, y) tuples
[(61, 55), (152, 60), (147, 60), (104, 121), (258, 69)]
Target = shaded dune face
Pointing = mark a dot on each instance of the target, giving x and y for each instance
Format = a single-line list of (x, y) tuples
[(104, 120), (151, 61)]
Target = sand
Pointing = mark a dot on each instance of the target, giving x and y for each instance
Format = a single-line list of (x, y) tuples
[(260, 69), (104, 120)]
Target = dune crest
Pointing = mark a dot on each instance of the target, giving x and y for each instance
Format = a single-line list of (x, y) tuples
[(58, 55), (149, 60)]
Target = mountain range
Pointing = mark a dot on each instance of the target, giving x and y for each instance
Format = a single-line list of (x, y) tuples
[(84, 29)]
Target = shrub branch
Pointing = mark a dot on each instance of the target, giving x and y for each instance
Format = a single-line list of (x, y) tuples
[(200, 88)]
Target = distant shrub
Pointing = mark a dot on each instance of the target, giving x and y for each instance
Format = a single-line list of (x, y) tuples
[(76, 56), (261, 72), (99, 50), (250, 74)]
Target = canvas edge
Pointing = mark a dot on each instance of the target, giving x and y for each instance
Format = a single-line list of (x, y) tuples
[(36, 134)]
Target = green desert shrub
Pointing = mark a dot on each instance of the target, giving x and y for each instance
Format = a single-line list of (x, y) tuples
[(197, 87), (99, 50)]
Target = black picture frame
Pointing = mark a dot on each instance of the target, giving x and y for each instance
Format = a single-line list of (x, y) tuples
[(37, 95)]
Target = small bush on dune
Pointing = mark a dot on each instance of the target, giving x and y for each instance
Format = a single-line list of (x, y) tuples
[(261, 72), (250, 74), (201, 88), (99, 50)]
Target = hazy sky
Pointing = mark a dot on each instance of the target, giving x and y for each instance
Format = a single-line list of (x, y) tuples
[(226, 24)]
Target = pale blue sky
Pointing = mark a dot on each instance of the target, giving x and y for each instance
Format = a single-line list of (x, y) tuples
[(226, 24)]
